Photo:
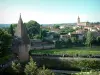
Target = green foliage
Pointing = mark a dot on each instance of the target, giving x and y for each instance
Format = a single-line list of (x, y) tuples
[(66, 30), (59, 44), (56, 26), (33, 28), (11, 30), (89, 38), (37, 36), (16, 67), (74, 40), (44, 71), (56, 36), (98, 40), (91, 72), (30, 68), (5, 42), (43, 33), (69, 64), (68, 42), (86, 64)]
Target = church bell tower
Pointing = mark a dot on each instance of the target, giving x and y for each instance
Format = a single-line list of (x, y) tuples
[(78, 20), (24, 42)]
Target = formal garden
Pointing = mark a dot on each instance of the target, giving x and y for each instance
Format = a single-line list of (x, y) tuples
[(51, 59)]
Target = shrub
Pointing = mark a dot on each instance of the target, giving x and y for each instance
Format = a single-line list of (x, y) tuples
[(68, 64), (16, 67), (88, 73), (44, 71), (30, 68)]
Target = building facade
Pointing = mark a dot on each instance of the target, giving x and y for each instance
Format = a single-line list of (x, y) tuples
[(79, 23)]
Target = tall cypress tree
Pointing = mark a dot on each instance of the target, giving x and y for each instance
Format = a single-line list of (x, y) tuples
[(89, 38), (11, 30)]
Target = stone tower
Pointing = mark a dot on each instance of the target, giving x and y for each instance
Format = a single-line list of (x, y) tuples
[(21, 42), (78, 20)]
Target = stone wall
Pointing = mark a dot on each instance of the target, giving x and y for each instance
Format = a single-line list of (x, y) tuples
[(49, 46)]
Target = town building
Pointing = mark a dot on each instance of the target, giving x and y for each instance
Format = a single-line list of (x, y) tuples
[(79, 23)]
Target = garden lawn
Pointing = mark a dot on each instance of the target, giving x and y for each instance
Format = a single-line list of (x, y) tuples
[(70, 51)]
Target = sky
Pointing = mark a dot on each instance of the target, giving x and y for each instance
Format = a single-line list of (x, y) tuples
[(49, 11)]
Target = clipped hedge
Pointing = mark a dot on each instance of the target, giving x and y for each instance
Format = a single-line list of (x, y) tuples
[(91, 72), (76, 65)]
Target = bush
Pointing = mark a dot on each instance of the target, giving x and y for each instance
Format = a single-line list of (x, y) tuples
[(30, 68), (44, 71), (88, 73), (16, 67), (86, 64), (68, 64)]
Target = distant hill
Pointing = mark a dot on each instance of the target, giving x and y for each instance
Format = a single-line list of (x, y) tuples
[(59, 24), (4, 25)]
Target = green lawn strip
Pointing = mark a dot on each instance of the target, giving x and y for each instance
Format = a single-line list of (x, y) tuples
[(71, 51)]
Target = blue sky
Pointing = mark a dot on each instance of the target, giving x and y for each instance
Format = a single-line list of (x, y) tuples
[(49, 11)]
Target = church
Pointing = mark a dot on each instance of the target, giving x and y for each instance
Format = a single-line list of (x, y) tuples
[(79, 23), (21, 42)]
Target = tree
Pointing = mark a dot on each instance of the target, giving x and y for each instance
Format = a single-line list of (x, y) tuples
[(60, 44), (37, 36), (33, 28), (56, 26), (11, 30), (68, 42), (30, 68), (16, 67), (74, 40), (56, 36), (89, 38), (66, 30), (44, 71), (98, 40), (5, 42), (43, 33)]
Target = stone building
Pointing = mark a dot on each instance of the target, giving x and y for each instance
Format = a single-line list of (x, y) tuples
[(21, 42), (79, 23)]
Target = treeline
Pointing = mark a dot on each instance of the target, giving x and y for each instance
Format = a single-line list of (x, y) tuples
[(95, 23)]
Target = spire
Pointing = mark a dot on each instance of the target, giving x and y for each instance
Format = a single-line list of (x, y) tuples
[(20, 15), (78, 20), (21, 31), (20, 20), (78, 17)]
